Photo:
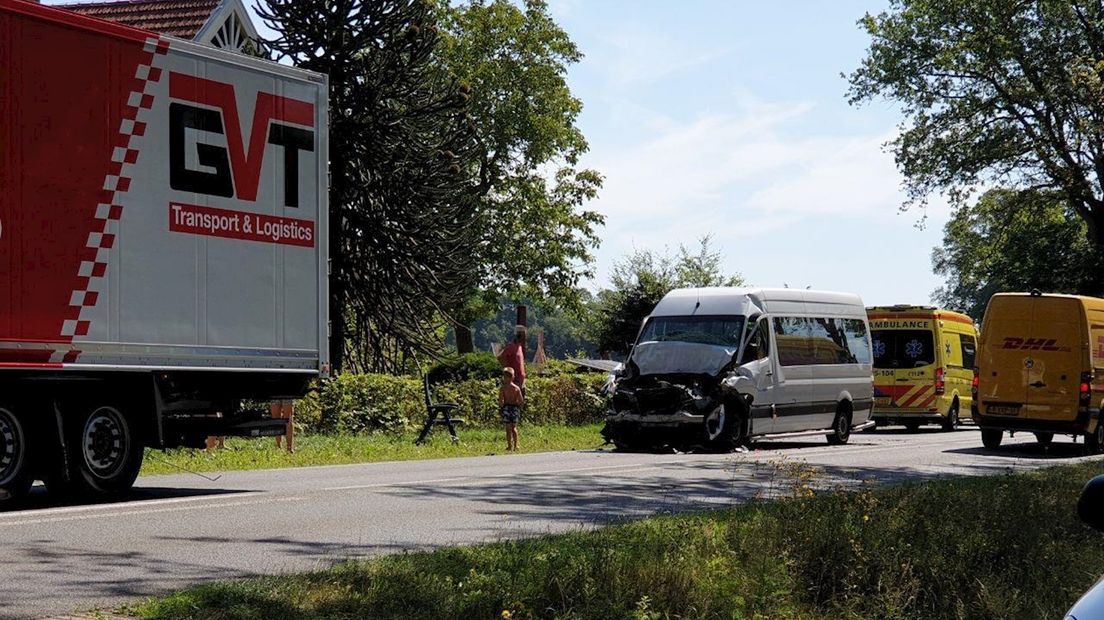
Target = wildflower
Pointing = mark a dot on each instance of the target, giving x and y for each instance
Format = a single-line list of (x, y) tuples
[(506, 615)]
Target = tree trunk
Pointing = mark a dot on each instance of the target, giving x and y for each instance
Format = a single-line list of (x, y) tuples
[(1094, 285), (464, 341)]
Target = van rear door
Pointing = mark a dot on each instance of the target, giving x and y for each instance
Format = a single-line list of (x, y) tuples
[(1054, 358), (904, 362), (1032, 357)]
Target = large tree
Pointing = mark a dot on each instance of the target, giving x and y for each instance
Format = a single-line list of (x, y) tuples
[(404, 213), (1012, 241), (637, 283), (514, 58), (1006, 92)]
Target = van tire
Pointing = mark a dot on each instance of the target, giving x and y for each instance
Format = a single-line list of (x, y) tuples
[(912, 426), (950, 423), (841, 426), (1094, 441), (991, 437), (1044, 439), (726, 428)]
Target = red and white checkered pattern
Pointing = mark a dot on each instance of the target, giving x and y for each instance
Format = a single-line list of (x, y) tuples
[(93, 265)]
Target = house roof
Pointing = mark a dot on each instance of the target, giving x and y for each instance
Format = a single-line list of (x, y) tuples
[(176, 18)]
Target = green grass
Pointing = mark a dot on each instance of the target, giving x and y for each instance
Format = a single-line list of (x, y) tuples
[(998, 547), (330, 450)]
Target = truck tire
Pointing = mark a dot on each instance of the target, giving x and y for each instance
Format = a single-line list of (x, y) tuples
[(104, 451), (15, 467), (991, 437), (1044, 439), (841, 427)]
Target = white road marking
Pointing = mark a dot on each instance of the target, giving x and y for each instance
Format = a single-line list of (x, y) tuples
[(382, 485), (85, 517), (46, 512)]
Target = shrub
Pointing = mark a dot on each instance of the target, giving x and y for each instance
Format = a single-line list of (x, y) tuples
[(478, 365), (355, 404), (361, 404)]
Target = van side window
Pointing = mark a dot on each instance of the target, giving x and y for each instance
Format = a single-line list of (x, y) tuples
[(791, 335), (758, 346), (969, 350), (858, 341), (830, 342)]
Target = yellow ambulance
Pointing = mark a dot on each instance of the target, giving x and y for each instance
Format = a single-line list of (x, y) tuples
[(1040, 367), (923, 365)]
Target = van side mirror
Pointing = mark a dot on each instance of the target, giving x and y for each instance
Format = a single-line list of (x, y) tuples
[(1090, 506)]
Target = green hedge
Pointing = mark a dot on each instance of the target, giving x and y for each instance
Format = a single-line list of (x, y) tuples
[(368, 403)]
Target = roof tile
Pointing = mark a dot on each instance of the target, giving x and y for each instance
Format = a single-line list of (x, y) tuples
[(177, 18)]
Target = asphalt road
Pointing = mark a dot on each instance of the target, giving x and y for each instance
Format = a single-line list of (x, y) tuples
[(175, 531)]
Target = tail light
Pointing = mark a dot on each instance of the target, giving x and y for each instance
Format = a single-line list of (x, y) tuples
[(940, 384), (975, 385), (1085, 390)]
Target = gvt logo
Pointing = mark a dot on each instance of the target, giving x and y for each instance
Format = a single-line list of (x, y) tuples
[(232, 170), (1031, 344)]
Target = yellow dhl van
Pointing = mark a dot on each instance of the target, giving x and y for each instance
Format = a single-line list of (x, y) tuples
[(923, 365), (1040, 367)]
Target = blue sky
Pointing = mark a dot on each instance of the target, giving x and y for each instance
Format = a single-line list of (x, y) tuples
[(730, 118)]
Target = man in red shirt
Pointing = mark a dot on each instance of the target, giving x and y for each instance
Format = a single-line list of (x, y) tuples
[(513, 356)]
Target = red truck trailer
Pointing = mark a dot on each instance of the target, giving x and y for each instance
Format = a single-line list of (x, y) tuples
[(162, 245)]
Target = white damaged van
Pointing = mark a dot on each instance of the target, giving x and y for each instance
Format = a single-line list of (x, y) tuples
[(722, 366)]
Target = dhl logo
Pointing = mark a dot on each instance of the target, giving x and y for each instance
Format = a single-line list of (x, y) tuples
[(1032, 344)]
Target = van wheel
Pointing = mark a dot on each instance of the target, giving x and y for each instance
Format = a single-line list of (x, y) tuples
[(841, 428), (1044, 439), (951, 422), (912, 426), (724, 427), (15, 466), (1095, 440), (991, 437), (625, 446)]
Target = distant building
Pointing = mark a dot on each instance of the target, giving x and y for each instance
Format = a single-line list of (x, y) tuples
[(223, 24)]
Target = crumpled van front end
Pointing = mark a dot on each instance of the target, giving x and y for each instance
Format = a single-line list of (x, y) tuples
[(667, 392), (670, 390)]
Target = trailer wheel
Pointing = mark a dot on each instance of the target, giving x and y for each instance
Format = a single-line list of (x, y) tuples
[(105, 451), (15, 469), (841, 426), (991, 437)]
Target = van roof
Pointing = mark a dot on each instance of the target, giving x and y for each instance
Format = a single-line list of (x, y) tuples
[(902, 311), (748, 301), (1062, 295)]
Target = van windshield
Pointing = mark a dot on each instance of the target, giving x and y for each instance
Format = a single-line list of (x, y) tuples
[(903, 348), (722, 331)]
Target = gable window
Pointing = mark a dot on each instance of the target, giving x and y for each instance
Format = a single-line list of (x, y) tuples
[(231, 35)]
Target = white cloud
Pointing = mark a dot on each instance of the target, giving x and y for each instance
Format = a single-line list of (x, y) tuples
[(640, 56), (741, 176)]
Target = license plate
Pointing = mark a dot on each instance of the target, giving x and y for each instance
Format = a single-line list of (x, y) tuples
[(1003, 410), (883, 401)]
